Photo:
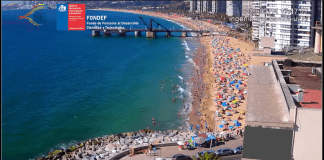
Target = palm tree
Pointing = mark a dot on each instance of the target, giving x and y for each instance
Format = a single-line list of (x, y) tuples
[(206, 156)]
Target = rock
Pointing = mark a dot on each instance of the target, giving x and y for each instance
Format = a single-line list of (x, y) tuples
[(181, 139), (155, 135), (64, 157), (145, 140), (145, 144), (122, 141), (168, 131), (129, 134), (102, 156), (143, 134), (99, 151)]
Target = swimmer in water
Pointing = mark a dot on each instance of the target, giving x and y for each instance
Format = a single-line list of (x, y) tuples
[(173, 99)]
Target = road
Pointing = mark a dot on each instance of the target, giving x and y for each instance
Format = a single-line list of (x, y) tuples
[(168, 152)]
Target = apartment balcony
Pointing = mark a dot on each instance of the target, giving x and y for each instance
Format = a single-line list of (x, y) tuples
[(302, 34)]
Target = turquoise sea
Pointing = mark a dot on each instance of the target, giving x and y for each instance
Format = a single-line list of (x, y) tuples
[(61, 87)]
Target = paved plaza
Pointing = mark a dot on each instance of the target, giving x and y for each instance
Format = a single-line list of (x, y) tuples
[(168, 152)]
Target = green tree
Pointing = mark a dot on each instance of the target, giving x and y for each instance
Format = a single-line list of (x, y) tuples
[(207, 156)]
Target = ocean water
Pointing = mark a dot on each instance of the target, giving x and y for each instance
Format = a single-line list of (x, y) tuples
[(62, 87)]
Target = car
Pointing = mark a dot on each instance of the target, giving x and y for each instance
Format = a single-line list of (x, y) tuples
[(218, 143), (238, 150), (181, 157), (203, 152), (224, 152)]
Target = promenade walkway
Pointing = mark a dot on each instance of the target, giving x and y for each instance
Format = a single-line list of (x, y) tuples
[(168, 152)]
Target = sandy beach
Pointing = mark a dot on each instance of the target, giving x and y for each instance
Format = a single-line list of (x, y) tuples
[(219, 83)]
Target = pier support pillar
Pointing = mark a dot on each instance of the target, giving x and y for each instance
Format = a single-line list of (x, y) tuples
[(184, 34), (150, 34), (138, 33), (122, 34), (168, 34), (106, 33), (95, 33)]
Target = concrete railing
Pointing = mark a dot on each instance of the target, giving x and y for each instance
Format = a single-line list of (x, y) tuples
[(294, 63), (285, 90), (127, 152)]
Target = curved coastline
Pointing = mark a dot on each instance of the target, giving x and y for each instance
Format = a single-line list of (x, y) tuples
[(71, 150), (113, 143)]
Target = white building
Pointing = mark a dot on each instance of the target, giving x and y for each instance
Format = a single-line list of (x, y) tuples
[(234, 8), (247, 8), (208, 6), (281, 20), (219, 6), (193, 5)]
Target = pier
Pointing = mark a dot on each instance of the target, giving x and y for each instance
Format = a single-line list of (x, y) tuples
[(150, 31)]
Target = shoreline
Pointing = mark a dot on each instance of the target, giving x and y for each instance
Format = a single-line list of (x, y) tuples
[(202, 88), (194, 113)]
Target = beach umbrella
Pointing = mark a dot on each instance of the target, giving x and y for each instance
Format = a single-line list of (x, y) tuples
[(230, 127), (235, 121), (191, 127), (224, 104), (200, 140), (221, 126)]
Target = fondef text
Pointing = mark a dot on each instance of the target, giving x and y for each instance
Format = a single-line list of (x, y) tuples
[(98, 18)]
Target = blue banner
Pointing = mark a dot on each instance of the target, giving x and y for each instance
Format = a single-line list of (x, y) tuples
[(62, 17)]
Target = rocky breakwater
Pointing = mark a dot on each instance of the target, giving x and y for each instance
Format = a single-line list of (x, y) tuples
[(107, 147)]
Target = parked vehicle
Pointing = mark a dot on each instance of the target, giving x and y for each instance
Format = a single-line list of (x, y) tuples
[(218, 143), (181, 157), (238, 150), (224, 152)]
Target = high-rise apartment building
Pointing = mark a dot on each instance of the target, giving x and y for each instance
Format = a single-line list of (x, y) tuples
[(219, 6), (247, 8), (289, 22), (193, 5), (234, 8), (211, 6)]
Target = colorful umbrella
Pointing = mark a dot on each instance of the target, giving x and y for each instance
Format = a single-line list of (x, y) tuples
[(221, 126), (200, 140)]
